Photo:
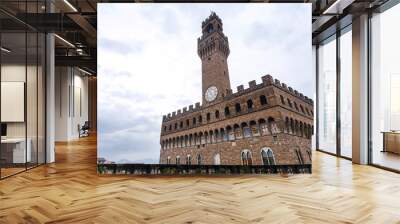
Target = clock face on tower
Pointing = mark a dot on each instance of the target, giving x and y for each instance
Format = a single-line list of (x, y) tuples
[(211, 93)]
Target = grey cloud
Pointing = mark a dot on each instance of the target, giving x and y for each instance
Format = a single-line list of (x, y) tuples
[(120, 47)]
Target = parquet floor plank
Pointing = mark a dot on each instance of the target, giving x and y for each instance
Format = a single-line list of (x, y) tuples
[(70, 191)]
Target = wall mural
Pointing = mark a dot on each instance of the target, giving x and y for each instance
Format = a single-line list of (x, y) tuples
[(167, 97)]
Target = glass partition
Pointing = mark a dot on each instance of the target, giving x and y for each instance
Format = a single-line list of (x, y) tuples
[(22, 101), (385, 89), (346, 93), (327, 95), (13, 145)]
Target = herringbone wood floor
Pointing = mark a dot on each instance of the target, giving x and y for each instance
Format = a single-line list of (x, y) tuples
[(70, 191)]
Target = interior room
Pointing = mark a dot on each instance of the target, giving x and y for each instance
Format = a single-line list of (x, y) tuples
[(48, 151)]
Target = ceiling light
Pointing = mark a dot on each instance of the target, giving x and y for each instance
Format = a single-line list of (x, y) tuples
[(70, 5), (5, 50), (64, 40), (338, 6), (84, 71)]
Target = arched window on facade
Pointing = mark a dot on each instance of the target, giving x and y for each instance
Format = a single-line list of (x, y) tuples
[(216, 136), (309, 155), (295, 105), (194, 121), (287, 125), (292, 126), (206, 138), (169, 160), (186, 141), (246, 157), (187, 123), (267, 156), (246, 130), (217, 114), (230, 133), (237, 131), (188, 160), (217, 159), (178, 160), (227, 112), (238, 109), (170, 127), (289, 103), (308, 112), (198, 159), (211, 137), (191, 140), (272, 125), (263, 127), (299, 156), (165, 128), (263, 100), (202, 139), (208, 116), (249, 105), (255, 131), (296, 127), (283, 100), (223, 134), (195, 139), (301, 129), (181, 124), (302, 109), (200, 119), (176, 126)]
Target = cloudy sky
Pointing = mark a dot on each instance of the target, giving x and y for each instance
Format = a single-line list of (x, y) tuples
[(148, 64)]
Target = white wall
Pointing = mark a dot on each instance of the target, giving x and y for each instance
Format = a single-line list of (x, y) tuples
[(71, 102)]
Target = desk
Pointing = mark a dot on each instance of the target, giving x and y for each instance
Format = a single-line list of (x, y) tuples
[(391, 142), (14, 150)]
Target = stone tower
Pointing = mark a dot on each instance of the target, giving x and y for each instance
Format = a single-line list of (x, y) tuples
[(213, 49)]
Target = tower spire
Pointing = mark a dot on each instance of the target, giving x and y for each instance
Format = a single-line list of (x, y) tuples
[(213, 50)]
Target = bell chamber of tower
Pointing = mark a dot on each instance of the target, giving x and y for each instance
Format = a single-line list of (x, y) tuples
[(213, 50)]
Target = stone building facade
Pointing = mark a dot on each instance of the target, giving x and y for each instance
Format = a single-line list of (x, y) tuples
[(265, 124)]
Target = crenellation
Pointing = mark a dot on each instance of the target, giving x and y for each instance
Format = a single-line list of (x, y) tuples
[(240, 88), (184, 109), (267, 79), (296, 93), (290, 89), (174, 114), (252, 84), (178, 112), (284, 86), (278, 82), (197, 106), (190, 108)]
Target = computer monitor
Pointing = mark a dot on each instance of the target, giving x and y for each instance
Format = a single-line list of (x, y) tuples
[(3, 129)]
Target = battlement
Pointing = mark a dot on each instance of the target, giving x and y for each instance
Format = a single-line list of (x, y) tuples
[(212, 16), (267, 80), (219, 32)]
